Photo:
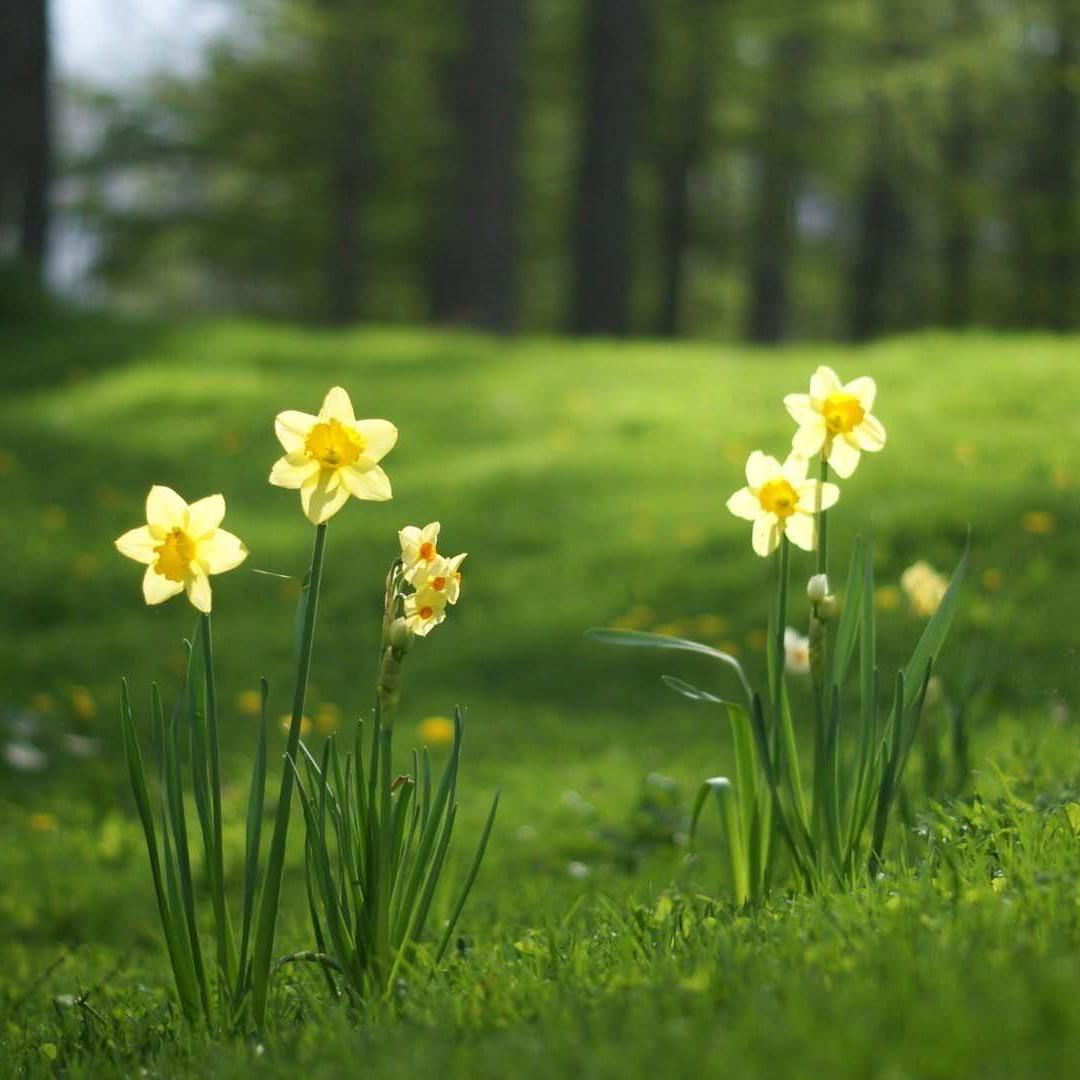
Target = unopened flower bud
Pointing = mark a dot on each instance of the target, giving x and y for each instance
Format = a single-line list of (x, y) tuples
[(400, 636), (828, 607), (817, 589)]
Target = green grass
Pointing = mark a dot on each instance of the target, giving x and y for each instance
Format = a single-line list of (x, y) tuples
[(585, 481)]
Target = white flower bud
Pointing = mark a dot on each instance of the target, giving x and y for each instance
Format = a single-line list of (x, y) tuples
[(817, 588)]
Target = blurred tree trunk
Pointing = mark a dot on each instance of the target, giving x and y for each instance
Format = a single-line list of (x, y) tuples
[(474, 271), (350, 51), (1048, 228), (681, 154), (25, 129), (780, 164), (602, 239)]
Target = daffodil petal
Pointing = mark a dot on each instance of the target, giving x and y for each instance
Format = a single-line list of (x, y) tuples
[(293, 470), (292, 427), (197, 586), (761, 468), (870, 434), (165, 509), (799, 529), (371, 483), (808, 495), (379, 437), (205, 515), (766, 535), (809, 439), (801, 409), (865, 389), (794, 469), (322, 496), (824, 382), (157, 588), (337, 406), (137, 544), (745, 504), (843, 457), (222, 551)]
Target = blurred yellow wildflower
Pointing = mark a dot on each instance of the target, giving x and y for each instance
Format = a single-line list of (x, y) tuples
[(43, 823), (780, 501), (249, 703), (42, 702), (757, 639), (710, 625), (637, 618), (835, 420), (1038, 523), (435, 731), (992, 579), (924, 587), (327, 718), (285, 722), (332, 456), (181, 546), (1061, 478), (887, 598), (83, 704)]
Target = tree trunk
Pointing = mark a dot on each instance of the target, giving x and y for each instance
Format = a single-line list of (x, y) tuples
[(959, 241), (25, 130), (773, 232), (474, 270), (602, 240)]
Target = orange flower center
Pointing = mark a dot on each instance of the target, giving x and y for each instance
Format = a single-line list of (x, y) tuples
[(843, 413), (438, 583), (778, 497), (426, 612), (427, 551), (333, 445), (174, 554)]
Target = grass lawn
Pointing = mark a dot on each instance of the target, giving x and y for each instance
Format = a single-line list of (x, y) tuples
[(587, 482)]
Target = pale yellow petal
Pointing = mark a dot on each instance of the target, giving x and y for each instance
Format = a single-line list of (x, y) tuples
[(808, 493), (761, 468), (794, 469), (766, 535), (801, 409), (337, 406), (322, 496), (809, 439), (292, 427), (222, 551), (843, 457), (371, 483), (799, 529), (379, 437), (824, 382), (137, 544), (745, 504), (157, 588), (205, 515), (292, 470), (870, 434), (197, 586), (165, 509), (865, 389)]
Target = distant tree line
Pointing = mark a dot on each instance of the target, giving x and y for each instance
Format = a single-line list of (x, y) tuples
[(767, 169)]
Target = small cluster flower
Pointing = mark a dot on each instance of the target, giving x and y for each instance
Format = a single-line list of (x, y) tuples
[(924, 587), (435, 579)]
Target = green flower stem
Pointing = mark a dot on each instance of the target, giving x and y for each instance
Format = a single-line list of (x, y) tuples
[(271, 893), (783, 578), (822, 519), (226, 950)]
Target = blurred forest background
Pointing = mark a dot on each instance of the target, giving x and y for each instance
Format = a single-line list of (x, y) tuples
[(753, 169)]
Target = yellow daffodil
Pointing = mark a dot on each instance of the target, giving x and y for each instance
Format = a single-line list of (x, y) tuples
[(780, 501), (835, 419), (419, 547), (424, 610), (181, 546), (332, 456)]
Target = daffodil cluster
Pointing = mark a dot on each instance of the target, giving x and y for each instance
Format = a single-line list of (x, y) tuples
[(836, 423), (435, 579)]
